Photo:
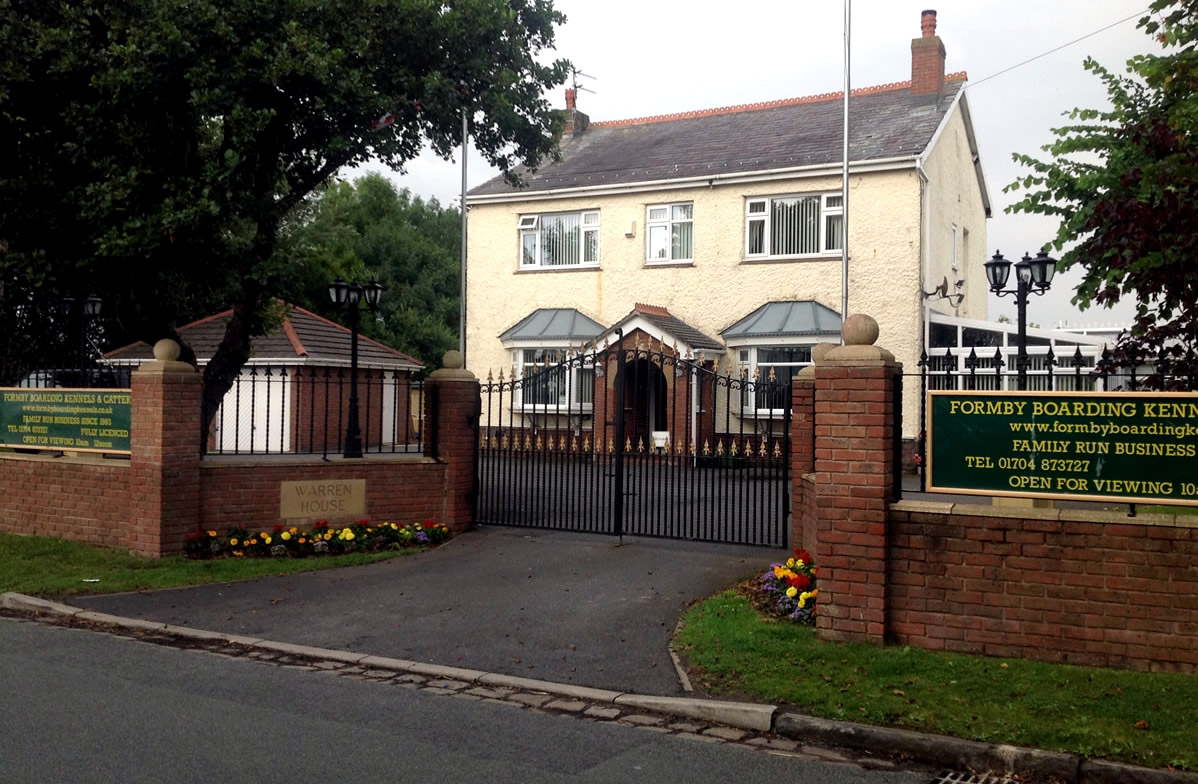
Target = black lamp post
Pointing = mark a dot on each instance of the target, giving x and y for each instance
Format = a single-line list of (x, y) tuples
[(350, 296), (1032, 275), (88, 309)]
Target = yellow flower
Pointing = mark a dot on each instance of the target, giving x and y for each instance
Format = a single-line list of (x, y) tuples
[(799, 564), (328, 536), (266, 538), (293, 530), (802, 603), (815, 592), (394, 527), (286, 535), (303, 540), (791, 591), (212, 534), (349, 535), (232, 542), (790, 562), (253, 541)]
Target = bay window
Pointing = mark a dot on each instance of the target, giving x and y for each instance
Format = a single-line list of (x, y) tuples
[(794, 226), (773, 367), (561, 239), (549, 381)]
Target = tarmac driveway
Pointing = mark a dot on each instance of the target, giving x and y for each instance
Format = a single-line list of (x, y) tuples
[(565, 607)]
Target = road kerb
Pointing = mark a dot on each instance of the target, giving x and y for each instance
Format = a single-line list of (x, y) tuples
[(953, 753), (22, 603), (309, 651), (549, 687), (745, 715)]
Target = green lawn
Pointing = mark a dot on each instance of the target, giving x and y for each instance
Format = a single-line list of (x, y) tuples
[(55, 567), (733, 650)]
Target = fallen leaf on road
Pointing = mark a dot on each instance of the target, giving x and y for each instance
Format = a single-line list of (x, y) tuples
[(1141, 725)]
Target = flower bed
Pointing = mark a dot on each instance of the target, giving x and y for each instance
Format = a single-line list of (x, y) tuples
[(788, 589), (321, 539)]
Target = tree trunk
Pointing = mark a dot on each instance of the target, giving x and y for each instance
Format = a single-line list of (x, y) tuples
[(233, 351)]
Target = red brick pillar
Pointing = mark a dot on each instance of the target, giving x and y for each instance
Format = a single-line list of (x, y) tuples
[(854, 465), (802, 459), (452, 406), (165, 462)]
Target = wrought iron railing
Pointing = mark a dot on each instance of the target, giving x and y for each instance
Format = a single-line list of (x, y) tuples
[(27, 374), (279, 410)]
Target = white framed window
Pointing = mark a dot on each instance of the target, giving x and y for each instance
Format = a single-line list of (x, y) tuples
[(670, 232), (955, 263), (794, 226), (560, 239), (771, 369), (549, 380)]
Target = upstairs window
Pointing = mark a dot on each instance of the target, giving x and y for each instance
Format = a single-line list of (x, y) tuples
[(560, 239), (794, 226), (669, 232)]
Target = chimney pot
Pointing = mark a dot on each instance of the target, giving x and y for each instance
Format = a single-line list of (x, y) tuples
[(571, 98), (927, 23)]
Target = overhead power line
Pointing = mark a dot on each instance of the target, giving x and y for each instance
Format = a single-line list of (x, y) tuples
[(1058, 48)]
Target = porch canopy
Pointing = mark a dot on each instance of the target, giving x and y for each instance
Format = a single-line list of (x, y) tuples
[(785, 320), (556, 324)]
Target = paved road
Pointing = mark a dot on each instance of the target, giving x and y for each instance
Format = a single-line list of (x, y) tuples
[(82, 706), (566, 607)]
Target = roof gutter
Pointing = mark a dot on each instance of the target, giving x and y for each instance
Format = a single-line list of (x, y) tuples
[(728, 178)]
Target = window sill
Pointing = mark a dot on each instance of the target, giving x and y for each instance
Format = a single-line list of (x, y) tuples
[(829, 256), (762, 413), (563, 268), (671, 263)]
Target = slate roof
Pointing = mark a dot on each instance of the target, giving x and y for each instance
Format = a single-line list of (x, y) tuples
[(304, 338), (887, 122), (554, 324), (671, 327), (786, 319)]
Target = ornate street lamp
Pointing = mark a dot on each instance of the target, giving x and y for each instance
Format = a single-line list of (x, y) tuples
[(349, 295), (1032, 275), (89, 309)]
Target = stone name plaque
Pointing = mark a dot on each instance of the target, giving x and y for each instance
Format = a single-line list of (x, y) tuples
[(323, 499)]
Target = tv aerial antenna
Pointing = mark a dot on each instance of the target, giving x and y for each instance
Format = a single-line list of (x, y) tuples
[(574, 74)]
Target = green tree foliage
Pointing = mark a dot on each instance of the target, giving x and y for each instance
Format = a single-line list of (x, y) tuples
[(368, 229), (1124, 183), (154, 149)]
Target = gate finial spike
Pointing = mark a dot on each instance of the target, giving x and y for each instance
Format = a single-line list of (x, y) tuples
[(764, 451), (706, 448), (715, 366), (773, 377), (640, 445), (777, 450), (732, 449), (491, 377), (692, 447), (719, 448), (500, 375), (627, 444)]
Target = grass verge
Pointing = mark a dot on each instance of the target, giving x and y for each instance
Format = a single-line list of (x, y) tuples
[(55, 567), (1137, 717)]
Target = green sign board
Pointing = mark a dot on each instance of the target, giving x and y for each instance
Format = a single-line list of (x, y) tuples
[(1130, 447), (78, 420)]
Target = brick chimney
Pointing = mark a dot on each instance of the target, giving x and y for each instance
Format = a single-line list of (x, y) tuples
[(577, 122), (927, 60)]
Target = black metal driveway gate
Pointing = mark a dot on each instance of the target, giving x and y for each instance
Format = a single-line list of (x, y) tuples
[(634, 439)]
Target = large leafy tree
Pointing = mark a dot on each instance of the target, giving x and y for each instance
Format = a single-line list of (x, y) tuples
[(1124, 183), (368, 229), (154, 149)]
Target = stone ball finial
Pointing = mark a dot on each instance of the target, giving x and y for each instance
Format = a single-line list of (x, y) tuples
[(166, 350), (859, 330), (452, 359), (819, 351)]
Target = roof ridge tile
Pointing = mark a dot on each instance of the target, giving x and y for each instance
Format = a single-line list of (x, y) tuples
[(760, 105)]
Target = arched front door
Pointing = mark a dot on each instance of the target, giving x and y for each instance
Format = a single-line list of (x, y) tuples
[(645, 403)]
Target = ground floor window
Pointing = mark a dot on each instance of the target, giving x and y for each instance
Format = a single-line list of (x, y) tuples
[(551, 379), (771, 368)]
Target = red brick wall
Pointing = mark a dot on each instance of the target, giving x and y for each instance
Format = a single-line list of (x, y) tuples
[(84, 499), (1080, 587), (246, 492)]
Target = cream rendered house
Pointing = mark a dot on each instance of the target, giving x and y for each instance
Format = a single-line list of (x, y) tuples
[(729, 221)]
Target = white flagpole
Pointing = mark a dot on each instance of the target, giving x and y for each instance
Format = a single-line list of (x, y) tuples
[(462, 306), (844, 175)]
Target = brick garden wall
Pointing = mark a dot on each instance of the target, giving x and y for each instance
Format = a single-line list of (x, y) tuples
[(1076, 586), (1082, 587), (81, 498), (165, 490), (246, 492)]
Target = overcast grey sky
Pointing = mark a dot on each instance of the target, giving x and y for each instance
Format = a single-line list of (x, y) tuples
[(662, 56)]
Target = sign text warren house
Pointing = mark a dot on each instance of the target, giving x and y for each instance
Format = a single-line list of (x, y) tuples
[(80, 420), (1118, 446)]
